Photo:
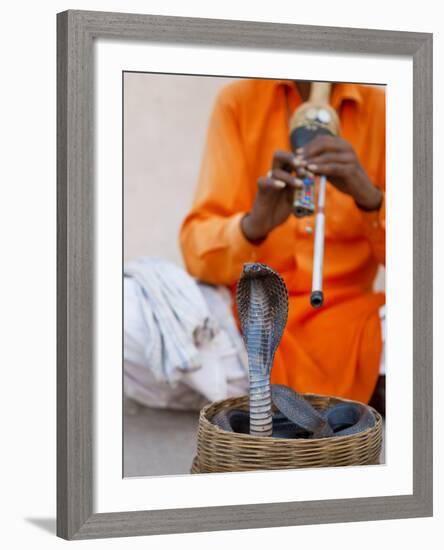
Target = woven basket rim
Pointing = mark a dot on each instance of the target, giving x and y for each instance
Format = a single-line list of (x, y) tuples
[(205, 419)]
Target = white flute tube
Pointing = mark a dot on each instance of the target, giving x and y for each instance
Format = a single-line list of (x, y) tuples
[(318, 253)]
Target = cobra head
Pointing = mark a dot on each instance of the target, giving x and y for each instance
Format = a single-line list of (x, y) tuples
[(262, 306)]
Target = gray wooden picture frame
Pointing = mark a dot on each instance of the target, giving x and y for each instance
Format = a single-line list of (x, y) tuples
[(76, 32)]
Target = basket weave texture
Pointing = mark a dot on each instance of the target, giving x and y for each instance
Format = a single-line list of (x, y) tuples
[(222, 451)]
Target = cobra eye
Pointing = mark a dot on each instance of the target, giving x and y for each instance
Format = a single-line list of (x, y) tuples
[(252, 268)]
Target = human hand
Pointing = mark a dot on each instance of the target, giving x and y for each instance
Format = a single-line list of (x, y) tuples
[(336, 159), (274, 198)]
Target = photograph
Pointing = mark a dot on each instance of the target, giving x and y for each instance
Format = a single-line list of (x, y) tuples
[(244, 274), (253, 274), (220, 288)]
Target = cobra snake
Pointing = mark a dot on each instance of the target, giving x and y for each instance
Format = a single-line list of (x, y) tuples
[(262, 303)]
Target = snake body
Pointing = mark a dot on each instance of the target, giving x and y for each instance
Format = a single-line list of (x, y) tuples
[(262, 303)]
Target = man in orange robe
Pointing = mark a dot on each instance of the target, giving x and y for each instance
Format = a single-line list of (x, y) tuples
[(242, 213)]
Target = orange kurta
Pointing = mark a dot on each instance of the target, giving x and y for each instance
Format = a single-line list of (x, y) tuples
[(336, 349)]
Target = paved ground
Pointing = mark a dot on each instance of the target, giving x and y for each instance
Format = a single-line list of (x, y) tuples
[(158, 442)]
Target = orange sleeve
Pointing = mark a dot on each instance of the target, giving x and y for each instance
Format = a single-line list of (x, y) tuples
[(375, 230), (212, 243), (374, 222)]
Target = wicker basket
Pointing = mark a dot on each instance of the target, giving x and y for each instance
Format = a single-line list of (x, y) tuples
[(222, 451)]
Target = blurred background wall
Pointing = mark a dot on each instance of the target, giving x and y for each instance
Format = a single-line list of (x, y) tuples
[(165, 123)]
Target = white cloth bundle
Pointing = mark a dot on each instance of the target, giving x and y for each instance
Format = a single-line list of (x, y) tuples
[(178, 351), (176, 316)]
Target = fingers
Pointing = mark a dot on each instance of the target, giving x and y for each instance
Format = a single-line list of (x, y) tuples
[(328, 155), (279, 175), (285, 160), (325, 144), (330, 158), (278, 179), (334, 169)]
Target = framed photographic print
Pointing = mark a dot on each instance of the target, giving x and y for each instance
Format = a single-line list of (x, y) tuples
[(244, 275)]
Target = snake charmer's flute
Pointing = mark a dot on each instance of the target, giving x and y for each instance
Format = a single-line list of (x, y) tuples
[(313, 118)]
